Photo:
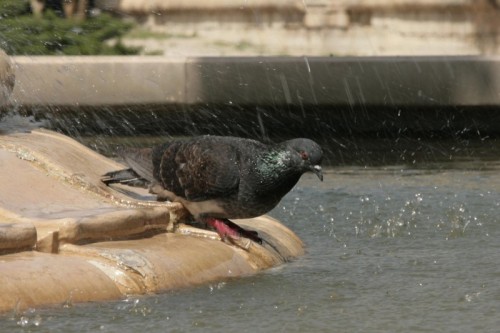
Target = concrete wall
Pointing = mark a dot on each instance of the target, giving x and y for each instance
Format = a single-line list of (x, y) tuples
[(272, 81), (262, 97), (83, 81), (319, 28)]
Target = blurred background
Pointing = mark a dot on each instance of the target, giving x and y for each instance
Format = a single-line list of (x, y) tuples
[(258, 27), (344, 72)]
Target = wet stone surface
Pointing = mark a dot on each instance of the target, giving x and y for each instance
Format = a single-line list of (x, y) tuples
[(89, 242)]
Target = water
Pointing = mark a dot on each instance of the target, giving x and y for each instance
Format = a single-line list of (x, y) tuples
[(388, 249)]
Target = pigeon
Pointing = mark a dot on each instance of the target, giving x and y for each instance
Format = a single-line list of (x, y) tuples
[(218, 178)]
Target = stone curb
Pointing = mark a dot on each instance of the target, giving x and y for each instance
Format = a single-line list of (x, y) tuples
[(264, 81)]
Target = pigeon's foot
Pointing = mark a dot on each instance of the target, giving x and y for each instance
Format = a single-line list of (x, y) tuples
[(228, 230)]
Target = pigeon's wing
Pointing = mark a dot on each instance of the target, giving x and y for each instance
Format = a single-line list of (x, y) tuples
[(140, 161), (200, 170)]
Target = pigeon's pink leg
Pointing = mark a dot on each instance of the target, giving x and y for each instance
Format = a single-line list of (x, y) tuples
[(222, 229), (230, 230)]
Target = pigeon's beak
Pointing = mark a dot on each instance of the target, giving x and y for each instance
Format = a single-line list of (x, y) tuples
[(318, 171)]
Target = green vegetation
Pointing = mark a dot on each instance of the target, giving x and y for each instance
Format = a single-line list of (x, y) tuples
[(21, 33), (244, 45), (141, 33)]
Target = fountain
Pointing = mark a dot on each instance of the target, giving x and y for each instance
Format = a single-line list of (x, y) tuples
[(57, 214), (84, 241), (402, 235)]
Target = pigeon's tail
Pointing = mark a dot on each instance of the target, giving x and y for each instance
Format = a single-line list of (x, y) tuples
[(139, 173), (126, 176)]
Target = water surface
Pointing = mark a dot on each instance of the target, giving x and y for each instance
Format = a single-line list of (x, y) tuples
[(393, 248)]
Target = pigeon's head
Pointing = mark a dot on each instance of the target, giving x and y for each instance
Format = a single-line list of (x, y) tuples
[(309, 155)]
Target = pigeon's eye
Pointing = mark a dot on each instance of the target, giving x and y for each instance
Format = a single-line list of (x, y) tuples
[(304, 155)]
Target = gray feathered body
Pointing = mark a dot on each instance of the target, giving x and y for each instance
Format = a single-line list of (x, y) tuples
[(225, 177)]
